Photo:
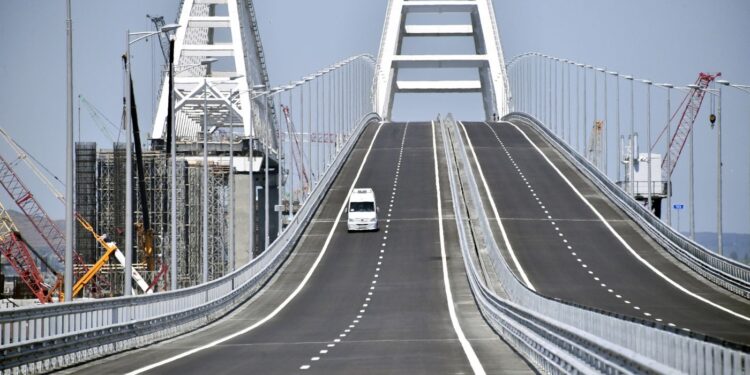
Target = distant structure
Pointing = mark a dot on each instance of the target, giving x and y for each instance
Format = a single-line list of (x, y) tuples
[(488, 60), (219, 62)]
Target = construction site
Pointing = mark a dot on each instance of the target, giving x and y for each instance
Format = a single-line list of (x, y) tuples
[(100, 197), (214, 138)]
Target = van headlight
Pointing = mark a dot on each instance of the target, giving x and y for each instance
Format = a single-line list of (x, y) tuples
[(374, 220)]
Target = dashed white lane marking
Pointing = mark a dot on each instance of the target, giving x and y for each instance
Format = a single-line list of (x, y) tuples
[(292, 295), (304, 367), (521, 272), (542, 206), (622, 240), (476, 366), (383, 245)]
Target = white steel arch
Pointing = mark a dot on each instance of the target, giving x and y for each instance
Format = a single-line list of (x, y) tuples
[(488, 59), (224, 31)]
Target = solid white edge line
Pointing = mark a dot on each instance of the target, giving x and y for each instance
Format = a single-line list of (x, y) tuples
[(622, 240), (288, 299), (516, 263), (476, 365)]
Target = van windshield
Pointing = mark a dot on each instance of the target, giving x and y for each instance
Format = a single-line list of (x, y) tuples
[(361, 207)]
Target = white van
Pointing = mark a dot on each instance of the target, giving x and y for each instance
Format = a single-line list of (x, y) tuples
[(363, 211)]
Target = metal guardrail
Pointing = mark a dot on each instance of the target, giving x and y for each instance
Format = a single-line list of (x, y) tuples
[(558, 337), (727, 273), (49, 337)]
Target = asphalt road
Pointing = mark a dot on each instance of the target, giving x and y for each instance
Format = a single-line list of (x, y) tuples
[(567, 252), (377, 301)]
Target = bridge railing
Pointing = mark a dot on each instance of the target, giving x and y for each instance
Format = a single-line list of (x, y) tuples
[(725, 272), (558, 337), (53, 336), (595, 134)]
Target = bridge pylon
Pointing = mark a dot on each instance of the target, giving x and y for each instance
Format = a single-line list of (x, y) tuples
[(218, 59), (488, 57)]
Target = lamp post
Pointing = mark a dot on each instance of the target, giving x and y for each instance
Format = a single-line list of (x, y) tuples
[(127, 269), (605, 147), (69, 221), (743, 88), (173, 161), (719, 200), (631, 162), (617, 123), (669, 88), (585, 110), (232, 248), (553, 66), (207, 63), (648, 142), (578, 107)]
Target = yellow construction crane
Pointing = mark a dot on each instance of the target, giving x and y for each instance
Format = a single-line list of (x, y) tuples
[(109, 249)]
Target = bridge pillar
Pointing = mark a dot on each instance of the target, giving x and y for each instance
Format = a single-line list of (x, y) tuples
[(488, 57)]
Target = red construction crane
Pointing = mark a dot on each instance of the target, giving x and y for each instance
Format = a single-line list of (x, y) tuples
[(42, 223), (688, 111), (19, 255), (297, 154)]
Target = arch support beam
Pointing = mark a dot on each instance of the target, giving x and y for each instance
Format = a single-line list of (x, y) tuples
[(488, 57)]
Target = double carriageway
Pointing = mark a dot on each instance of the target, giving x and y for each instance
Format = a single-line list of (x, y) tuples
[(397, 300)]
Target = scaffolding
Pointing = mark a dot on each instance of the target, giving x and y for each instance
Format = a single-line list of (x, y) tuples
[(85, 198), (110, 218), (100, 194)]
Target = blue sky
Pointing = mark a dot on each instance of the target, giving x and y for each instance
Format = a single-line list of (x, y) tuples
[(665, 41)]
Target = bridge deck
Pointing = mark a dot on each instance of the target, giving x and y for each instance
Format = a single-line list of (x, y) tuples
[(405, 327), (597, 270)]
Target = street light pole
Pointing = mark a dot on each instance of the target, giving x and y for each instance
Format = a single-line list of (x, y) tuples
[(69, 221), (743, 88), (605, 150), (127, 286), (617, 84), (633, 156), (648, 142), (585, 110), (232, 248), (719, 188), (578, 107), (669, 88), (205, 178), (127, 267), (173, 156)]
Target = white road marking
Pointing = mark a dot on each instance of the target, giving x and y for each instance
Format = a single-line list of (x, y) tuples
[(622, 240), (290, 297), (304, 367), (523, 275), (476, 366)]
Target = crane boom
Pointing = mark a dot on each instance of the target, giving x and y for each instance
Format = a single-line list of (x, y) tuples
[(109, 249), (145, 232), (689, 109), (163, 40), (15, 249), (297, 154), (98, 117)]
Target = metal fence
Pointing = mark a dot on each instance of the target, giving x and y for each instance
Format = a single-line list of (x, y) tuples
[(48, 337), (558, 337), (725, 272)]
